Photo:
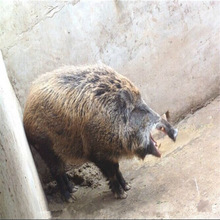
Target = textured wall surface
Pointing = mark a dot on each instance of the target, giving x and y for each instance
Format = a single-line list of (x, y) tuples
[(21, 195), (170, 50)]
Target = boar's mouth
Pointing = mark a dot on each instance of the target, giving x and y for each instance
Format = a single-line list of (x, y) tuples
[(171, 132), (154, 147)]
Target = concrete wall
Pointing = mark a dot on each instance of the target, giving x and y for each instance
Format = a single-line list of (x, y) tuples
[(21, 194), (170, 50)]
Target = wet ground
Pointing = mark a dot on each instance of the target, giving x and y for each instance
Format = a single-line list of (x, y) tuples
[(183, 183)]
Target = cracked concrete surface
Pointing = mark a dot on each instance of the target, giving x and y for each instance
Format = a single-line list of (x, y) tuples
[(168, 49), (36, 12), (184, 183)]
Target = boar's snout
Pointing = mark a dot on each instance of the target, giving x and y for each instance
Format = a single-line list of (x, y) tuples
[(173, 134), (165, 127)]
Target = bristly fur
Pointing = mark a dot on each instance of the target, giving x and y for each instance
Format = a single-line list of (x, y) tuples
[(82, 110), (92, 113)]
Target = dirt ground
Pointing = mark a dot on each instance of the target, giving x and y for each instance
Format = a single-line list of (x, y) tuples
[(183, 183)]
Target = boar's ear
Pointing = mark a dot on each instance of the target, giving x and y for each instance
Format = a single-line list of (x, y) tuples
[(125, 103), (166, 116), (125, 96)]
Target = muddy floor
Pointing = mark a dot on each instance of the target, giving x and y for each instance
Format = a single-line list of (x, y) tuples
[(183, 183)]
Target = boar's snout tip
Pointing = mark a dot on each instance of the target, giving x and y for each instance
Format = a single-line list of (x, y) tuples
[(175, 133)]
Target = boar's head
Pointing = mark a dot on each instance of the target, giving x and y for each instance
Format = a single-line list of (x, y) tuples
[(142, 121)]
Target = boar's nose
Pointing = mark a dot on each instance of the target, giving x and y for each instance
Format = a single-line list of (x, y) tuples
[(175, 133)]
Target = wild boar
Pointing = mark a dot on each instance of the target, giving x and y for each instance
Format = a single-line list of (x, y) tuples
[(92, 113)]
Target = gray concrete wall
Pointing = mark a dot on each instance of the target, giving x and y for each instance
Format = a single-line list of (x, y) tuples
[(170, 50), (21, 194)]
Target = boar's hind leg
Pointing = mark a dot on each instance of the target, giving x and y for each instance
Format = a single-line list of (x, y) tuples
[(57, 169), (121, 179), (66, 188), (109, 170), (70, 186)]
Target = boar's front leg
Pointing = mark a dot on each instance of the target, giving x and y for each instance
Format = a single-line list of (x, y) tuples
[(116, 184), (121, 179)]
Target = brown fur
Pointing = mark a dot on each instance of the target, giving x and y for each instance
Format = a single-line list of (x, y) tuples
[(76, 120), (79, 114)]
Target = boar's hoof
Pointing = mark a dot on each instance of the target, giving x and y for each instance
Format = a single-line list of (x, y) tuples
[(118, 190), (122, 195), (127, 187), (70, 186), (71, 200), (73, 188), (69, 197), (74, 198)]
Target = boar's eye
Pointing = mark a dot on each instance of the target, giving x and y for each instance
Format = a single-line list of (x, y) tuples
[(162, 129)]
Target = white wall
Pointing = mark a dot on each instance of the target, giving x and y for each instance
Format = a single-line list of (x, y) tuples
[(170, 50), (21, 194)]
